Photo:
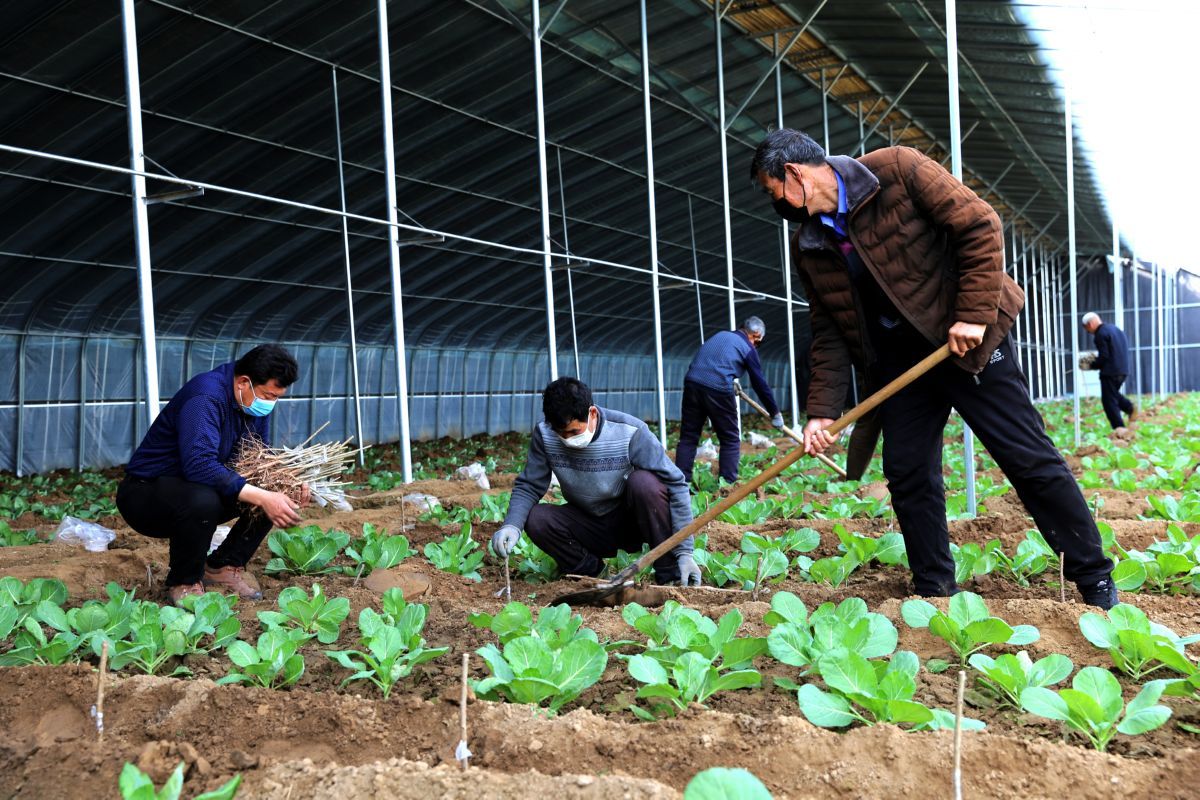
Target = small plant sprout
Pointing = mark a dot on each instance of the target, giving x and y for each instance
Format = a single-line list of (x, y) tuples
[(968, 627), (1008, 675), (1137, 646), (317, 616), (137, 785), (391, 647), (305, 551), (1093, 706), (458, 554)]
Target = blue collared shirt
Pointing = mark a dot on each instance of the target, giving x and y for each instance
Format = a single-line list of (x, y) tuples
[(837, 223)]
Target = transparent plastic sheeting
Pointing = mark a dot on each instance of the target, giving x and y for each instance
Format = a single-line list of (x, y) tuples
[(454, 393)]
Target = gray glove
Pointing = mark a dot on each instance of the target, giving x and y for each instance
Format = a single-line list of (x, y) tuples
[(777, 420), (505, 539), (689, 573)]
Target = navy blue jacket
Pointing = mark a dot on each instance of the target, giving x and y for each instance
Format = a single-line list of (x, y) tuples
[(725, 356), (197, 434), (1113, 350)]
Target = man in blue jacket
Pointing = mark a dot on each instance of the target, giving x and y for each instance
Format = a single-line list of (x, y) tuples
[(708, 394), (177, 485), (621, 489), (1112, 360)]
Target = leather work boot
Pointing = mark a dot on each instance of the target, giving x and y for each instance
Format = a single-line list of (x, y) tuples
[(233, 579), (181, 590)]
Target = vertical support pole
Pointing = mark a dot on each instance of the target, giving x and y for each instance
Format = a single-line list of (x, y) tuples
[(1161, 350), (862, 149), (1175, 330), (389, 159), (1137, 327), (1118, 298), (787, 272), (544, 195), (20, 454), (724, 162), (79, 456), (956, 169), (696, 269), (1071, 266), (141, 221), (337, 122), (653, 221), (562, 205), (825, 109)]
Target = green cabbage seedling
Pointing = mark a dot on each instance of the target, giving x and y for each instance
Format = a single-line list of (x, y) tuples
[(723, 783), (555, 625), (1093, 706), (968, 627), (272, 663), (1009, 675), (391, 649), (376, 550), (533, 564), (458, 554), (317, 616), (677, 630), (801, 640), (529, 671), (305, 551), (692, 678), (18, 600), (872, 692), (833, 570), (137, 785), (888, 549), (1136, 645)]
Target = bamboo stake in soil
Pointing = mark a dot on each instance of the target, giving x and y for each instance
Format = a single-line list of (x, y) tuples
[(98, 709), (1062, 583), (461, 753), (958, 714)]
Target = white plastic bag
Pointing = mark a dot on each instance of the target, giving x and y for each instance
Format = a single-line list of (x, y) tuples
[(760, 441), (423, 502), (218, 536), (707, 450), (93, 537), (473, 472)]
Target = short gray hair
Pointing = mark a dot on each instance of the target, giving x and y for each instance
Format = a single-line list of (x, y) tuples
[(754, 325), (1089, 318)]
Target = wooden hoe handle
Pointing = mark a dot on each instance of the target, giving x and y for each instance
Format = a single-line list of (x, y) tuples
[(742, 490), (824, 459)]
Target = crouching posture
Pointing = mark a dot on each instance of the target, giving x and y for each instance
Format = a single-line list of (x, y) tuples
[(177, 486), (621, 489)]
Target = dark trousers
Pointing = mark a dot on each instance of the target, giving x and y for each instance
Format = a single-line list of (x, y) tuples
[(701, 403), (999, 411), (578, 541), (1113, 401), (187, 514)]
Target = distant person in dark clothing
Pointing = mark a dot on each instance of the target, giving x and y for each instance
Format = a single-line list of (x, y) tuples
[(1112, 360), (708, 394), (177, 485)]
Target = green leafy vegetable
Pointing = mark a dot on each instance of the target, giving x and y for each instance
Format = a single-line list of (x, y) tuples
[(391, 647), (317, 616), (305, 551), (1093, 706), (458, 554), (968, 627)]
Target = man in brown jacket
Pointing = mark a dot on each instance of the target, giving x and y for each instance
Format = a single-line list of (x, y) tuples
[(896, 257)]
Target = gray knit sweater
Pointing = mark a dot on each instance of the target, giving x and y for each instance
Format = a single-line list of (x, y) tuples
[(593, 478)]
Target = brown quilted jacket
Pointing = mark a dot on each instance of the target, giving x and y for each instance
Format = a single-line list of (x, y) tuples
[(932, 244)]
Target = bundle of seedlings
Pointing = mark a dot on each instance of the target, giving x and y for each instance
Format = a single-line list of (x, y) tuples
[(1088, 360), (290, 470)]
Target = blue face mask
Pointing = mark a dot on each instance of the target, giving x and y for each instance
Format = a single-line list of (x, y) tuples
[(258, 407)]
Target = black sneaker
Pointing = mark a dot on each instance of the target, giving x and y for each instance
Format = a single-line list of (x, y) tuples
[(1102, 594)]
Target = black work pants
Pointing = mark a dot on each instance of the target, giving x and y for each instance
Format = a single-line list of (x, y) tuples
[(187, 514), (1113, 401), (699, 404), (577, 540), (999, 411)]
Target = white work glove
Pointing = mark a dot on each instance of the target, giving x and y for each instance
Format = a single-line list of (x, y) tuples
[(689, 573), (777, 420), (505, 539)]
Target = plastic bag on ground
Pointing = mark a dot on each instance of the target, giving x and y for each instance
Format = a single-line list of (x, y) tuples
[(218, 536), (760, 441), (707, 450), (473, 472), (93, 537), (423, 502)]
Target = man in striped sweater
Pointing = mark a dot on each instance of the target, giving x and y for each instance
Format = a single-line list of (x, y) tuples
[(621, 489), (708, 394)]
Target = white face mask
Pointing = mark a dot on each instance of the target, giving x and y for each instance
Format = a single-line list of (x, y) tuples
[(582, 439)]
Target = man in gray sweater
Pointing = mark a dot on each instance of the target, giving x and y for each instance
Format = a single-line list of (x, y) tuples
[(621, 489)]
